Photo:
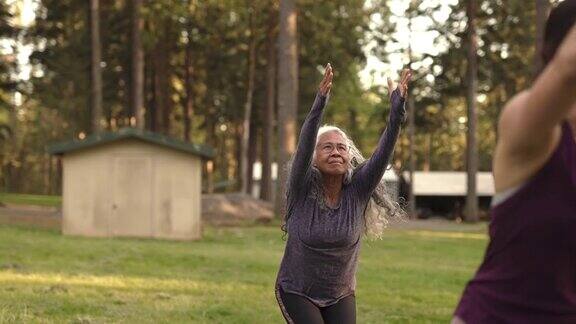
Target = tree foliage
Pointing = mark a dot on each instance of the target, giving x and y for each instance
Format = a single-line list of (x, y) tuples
[(196, 58)]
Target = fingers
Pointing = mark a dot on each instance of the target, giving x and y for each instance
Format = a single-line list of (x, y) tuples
[(328, 74), (406, 75), (326, 88), (403, 75), (403, 86), (326, 83), (327, 70), (323, 81)]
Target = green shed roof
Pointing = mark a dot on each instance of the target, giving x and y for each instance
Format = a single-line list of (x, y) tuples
[(125, 133)]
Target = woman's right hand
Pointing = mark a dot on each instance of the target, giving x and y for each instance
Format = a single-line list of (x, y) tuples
[(326, 83), (402, 85)]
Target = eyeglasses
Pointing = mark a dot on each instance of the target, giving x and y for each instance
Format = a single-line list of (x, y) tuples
[(327, 148)]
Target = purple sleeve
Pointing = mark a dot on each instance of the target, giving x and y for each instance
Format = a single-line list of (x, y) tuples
[(302, 161), (369, 174)]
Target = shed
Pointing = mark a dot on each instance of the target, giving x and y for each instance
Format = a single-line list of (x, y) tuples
[(131, 183)]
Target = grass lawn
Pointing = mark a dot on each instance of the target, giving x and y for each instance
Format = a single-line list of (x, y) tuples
[(228, 277), (23, 199)]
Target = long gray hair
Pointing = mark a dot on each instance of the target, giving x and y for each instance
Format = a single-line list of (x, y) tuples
[(381, 208)]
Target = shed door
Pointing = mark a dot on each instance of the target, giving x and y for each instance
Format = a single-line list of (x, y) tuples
[(132, 196)]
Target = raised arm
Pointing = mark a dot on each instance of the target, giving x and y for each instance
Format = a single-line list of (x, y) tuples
[(529, 127), (369, 174), (302, 162)]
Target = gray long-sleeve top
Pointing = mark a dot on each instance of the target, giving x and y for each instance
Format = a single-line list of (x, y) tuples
[(323, 243)]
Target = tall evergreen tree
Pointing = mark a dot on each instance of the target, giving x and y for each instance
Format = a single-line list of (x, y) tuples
[(471, 84), (287, 91)]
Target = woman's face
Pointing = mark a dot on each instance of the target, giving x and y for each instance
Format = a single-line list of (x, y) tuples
[(332, 154)]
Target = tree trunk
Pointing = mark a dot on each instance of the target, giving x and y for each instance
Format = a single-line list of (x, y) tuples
[(50, 175), (17, 181), (167, 103), (287, 94), (137, 84), (188, 73), (212, 141), (354, 130), (96, 84), (59, 173), (7, 177), (268, 122), (238, 157), (45, 174), (209, 182), (542, 11), (160, 56), (471, 214), (245, 142), (150, 91), (252, 152), (411, 128), (223, 163), (427, 151), (411, 157)]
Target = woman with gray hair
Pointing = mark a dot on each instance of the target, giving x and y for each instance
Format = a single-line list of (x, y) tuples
[(333, 195)]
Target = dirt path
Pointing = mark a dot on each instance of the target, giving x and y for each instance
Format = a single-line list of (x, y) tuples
[(440, 224), (45, 217), (52, 218)]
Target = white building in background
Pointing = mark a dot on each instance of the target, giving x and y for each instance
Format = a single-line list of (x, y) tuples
[(450, 183), (443, 193), (390, 177)]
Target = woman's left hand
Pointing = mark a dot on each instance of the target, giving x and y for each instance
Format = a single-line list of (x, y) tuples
[(326, 83), (403, 85)]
